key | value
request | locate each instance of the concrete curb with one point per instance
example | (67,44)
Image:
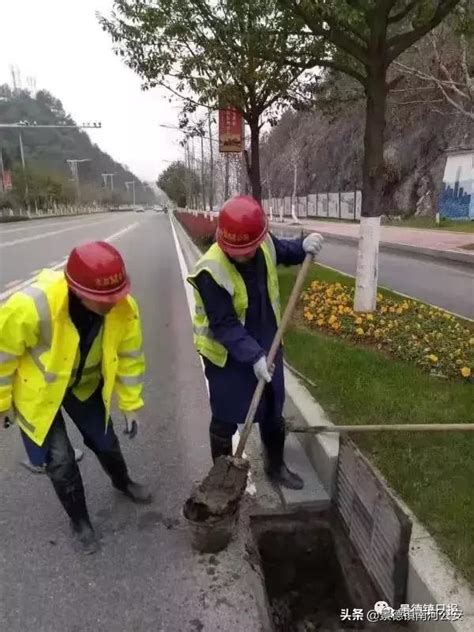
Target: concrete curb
(453,256)
(432,579)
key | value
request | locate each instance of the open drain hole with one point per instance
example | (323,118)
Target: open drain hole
(311,575)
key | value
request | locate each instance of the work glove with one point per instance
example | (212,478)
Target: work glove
(131,424)
(261,370)
(7,418)
(312,244)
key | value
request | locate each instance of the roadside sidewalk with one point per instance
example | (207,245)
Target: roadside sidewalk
(436,244)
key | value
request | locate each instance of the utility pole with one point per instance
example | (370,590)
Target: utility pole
(106,177)
(25,177)
(226,181)
(211,164)
(202,175)
(127,184)
(2,170)
(187,182)
(73,165)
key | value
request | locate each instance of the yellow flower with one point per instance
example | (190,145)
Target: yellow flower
(370,317)
(358,321)
(336,326)
(359,331)
(432,358)
(332,319)
(471,341)
(383,310)
(466,371)
(320,322)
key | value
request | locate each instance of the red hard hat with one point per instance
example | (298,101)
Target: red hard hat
(96,271)
(242,226)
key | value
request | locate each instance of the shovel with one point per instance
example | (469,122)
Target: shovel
(212,508)
(439,427)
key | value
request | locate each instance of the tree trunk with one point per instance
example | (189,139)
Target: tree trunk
(202,175)
(367,256)
(254,168)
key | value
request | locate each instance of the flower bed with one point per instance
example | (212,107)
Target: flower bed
(429,337)
(201,228)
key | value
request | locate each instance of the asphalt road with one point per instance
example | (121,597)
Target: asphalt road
(146,577)
(445,285)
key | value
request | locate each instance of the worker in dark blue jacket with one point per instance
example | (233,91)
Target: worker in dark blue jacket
(237,315)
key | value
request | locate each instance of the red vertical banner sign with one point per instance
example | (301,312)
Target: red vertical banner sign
(231,137)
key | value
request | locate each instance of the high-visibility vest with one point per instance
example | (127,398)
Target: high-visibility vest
(225,274)
(39,351)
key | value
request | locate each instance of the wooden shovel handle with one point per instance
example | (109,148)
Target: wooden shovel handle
(454,427)
(290,307)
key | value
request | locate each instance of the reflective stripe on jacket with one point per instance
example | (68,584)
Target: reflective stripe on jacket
(39,351)
(225,274)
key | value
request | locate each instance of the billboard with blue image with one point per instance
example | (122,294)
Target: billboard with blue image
(457,197)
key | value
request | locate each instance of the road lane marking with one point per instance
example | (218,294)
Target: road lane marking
(7,293)
(251,488)
(389,289)
(32,224)
(51,233)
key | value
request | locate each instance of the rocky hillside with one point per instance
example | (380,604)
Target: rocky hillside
(325,144)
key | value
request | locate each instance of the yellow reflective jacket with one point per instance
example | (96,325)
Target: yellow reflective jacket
(225,274)
(39,352)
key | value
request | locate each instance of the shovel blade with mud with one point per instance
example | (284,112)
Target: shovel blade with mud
(213,507)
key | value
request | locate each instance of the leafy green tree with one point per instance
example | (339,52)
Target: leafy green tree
(215,54)
(179,183)
(362,38)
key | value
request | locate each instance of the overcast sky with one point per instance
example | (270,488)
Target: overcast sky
(60,44)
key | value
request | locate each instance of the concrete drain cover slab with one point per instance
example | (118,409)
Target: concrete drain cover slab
(376,525)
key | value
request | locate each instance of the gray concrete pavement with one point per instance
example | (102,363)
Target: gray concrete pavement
(146,577)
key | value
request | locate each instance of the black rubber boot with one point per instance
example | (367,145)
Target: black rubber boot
(115,466)
(275,466)
(220,446)
(85,536)
(73,500)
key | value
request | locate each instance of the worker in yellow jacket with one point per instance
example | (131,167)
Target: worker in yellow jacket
(71,340)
